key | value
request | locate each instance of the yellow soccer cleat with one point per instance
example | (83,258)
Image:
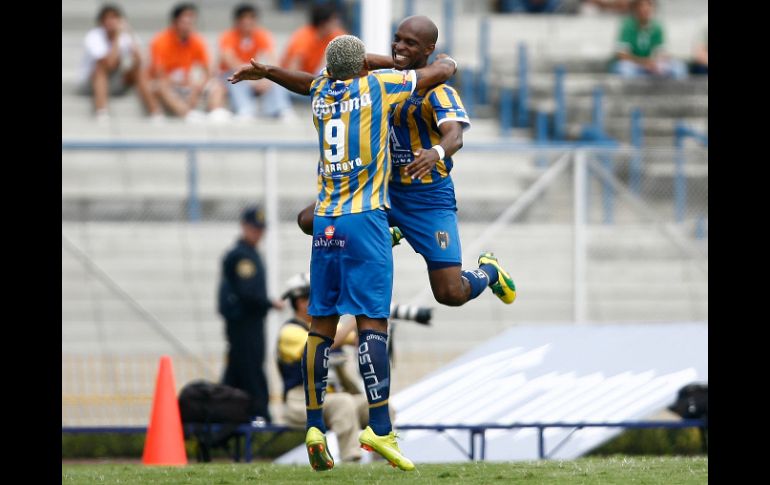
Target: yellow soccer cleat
(505,289)
(395,236)
(318,451)
(385,446)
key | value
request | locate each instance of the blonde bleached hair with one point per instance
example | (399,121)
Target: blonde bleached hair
(345,56)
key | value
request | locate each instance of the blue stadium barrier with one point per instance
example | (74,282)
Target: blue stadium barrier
(477,432)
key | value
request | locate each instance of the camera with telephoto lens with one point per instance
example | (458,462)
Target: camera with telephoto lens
(414,313)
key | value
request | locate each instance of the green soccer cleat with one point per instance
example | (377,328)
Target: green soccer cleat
(385,446)
(395,235)
(505,289)
(318,451)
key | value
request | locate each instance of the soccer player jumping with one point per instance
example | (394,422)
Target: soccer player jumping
(351,239)
(426,130)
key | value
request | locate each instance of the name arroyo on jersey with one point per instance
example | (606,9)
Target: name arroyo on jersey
(335,167)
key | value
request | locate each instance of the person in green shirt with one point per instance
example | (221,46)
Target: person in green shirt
(639,51)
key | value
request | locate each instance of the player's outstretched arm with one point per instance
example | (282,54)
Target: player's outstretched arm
(441,70)
(379,61)
(296,81)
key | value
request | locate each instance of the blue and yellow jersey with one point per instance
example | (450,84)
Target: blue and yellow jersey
(414,126)
(351,118)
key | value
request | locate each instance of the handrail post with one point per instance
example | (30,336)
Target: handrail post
(637,140)
(541,136)
(408,8)
(580,251)
(540,442)
(193,201)
(482,82)
(680,183)
(467,77)
(449,21)
(523,101)
(506,111)
(560,113)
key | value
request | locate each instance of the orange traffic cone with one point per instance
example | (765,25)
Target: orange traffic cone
(165,440)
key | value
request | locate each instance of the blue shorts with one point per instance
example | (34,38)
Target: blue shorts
(351,267)
(427,216)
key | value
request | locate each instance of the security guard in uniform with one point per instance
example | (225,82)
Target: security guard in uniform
(243,302)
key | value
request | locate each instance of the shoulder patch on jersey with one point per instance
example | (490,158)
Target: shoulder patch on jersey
(246,268)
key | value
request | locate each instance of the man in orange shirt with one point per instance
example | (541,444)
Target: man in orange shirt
(237,47)
(307,46)
(181,69)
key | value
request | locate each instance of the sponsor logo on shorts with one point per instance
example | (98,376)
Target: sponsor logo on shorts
(332,243)
(329,232)
(442,238)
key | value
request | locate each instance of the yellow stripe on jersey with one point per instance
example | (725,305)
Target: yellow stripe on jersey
(377,182)
(358,198)
(327,199)
(344,195)
(441,168)
(442,97)
(365,136)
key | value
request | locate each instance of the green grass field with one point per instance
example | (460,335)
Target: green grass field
(597,470)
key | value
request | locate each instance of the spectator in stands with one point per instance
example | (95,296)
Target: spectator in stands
(700,62)
(306,47)
(112,63)
(246,40)
(243,302)
(182,71)
(640,46)
(346,410)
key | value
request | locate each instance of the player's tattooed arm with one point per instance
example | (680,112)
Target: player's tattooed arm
(440,71)
(296,81)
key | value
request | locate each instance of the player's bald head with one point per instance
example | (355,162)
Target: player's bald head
(422,27)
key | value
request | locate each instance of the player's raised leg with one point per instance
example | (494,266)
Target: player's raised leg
(315,366)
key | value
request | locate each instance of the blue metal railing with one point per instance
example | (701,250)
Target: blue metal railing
(477,432)
(604,147)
